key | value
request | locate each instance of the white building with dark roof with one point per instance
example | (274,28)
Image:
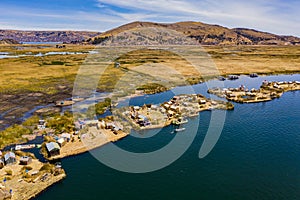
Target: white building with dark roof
(53,148)
(10,158)
(25,160)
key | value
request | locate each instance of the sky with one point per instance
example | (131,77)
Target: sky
(275,16)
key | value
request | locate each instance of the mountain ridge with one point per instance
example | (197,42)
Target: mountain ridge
(129,34)
(205,34)
(47,36)
(8,41)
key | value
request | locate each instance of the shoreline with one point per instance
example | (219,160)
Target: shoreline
(175,111)
(268,91)
(56,180)
(28,181)
(57,97)
(120,99)
(96,138)
(97,135)
(209,78)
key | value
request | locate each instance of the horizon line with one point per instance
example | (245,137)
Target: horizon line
(99,31)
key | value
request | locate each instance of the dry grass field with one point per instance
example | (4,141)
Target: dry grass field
(44,74)
(256,59)
(30,80)
(38,73)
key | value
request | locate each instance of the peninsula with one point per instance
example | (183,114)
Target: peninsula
(24,176)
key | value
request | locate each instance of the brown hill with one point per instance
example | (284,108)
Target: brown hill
(46,36)
(259,37)
(146,36)
(205,34)
(8,41)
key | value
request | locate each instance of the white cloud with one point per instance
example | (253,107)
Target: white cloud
(42,19)
(273,15)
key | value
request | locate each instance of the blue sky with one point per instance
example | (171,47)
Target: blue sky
(276,16)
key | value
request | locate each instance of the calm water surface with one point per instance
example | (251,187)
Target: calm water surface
(256,157)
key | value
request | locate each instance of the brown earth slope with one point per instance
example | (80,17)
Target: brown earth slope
(46,36)
(8,41)
(205,34)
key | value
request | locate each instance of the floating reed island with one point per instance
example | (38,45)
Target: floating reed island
(64,103)
(267,92)
(90,134)
(174,111)
(24,176)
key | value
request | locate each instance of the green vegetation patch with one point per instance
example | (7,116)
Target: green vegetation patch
(99,108)
(62,123)
(194,80)
(13,135)
(54,62)
(47,168)
(32,121)
(152,88)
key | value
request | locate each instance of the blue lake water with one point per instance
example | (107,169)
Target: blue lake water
(256,157)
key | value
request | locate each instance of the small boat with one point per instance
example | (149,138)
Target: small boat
(18,147)
(115,105)
(221,78)
(254,75)
(77,99)
(233,77)
(179,129)
(181,122)
(210,108)
(64,103)
(58,165)
(22,147)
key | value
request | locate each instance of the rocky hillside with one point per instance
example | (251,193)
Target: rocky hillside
(258,37)
(146,36)
(204,34)
(8,41)
(46,36)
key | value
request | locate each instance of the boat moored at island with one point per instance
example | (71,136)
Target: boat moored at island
(233,77)
(23,147)
(221,78)
(253,75)
(179,129)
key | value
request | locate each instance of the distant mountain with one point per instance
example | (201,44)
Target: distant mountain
(47,36)
(8,41)
(135,33)
(145,36)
